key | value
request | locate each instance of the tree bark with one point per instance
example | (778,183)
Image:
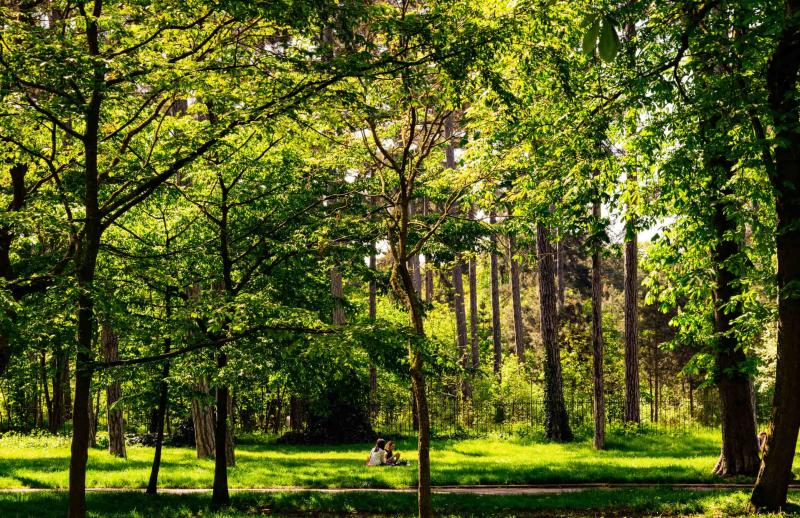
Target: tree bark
(494,288)
(556,421)
(404,286)
(598,399)
(163,395)
(116,425)
(632,396)
(373,312)
(473,312)
(772,485)
(461,327)
(60,380)
(739,453)
(203,418)
(460,314)
(220,496)
(86,263)
(516,301)
(561,283)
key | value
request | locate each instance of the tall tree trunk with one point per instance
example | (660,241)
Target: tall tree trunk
(772,484)
(373,311)
(739,452)
(43,374)
(404,287)
(556,421)
(163,395)
(60,380)
(116,426)
(428,264)
(203,418)
(561,283)
(86,263)
(220,496)
(632,410)
(494,288)
(461,325)
(473,312)
(598,399)
(516,301)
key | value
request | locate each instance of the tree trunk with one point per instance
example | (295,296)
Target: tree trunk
(473,313)
(461,325)
(404,287)
(163,394)
(519,331)
(494,289)
(561,286)
(203,418)
(219,495)
(428,264)
(92,424)
(60,380)
(556,421)
(772,484)
(632,397)
(86,263)
(739,453)
(116,425)
(373,311)
(598,399)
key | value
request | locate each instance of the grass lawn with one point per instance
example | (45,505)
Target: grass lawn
(640,502)
(43,462)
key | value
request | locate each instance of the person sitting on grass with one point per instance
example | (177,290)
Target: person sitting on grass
(377,455)
(392,456)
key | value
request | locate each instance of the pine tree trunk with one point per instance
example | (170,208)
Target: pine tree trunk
(116,425)
(632,397)
(516,301)
(561,285)
(556,421)
(772,485)
(494,288)
(598,399)
(461,324)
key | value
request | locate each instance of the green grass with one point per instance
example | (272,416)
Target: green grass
(640,502)
(43,462)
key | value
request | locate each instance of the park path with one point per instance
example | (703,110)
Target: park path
(474,490)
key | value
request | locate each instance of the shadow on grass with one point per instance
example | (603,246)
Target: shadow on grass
(663,502)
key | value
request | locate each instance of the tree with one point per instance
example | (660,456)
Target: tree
(556,421)
(773,479)
(598,399)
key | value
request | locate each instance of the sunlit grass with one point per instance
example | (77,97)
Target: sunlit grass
(652,457)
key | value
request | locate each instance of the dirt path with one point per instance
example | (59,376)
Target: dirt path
(474,490)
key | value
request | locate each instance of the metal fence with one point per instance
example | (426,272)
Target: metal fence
(451,414)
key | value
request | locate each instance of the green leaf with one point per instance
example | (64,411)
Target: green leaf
(590,36)
(609,40)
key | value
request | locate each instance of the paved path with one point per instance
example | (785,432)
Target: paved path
(474,490)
